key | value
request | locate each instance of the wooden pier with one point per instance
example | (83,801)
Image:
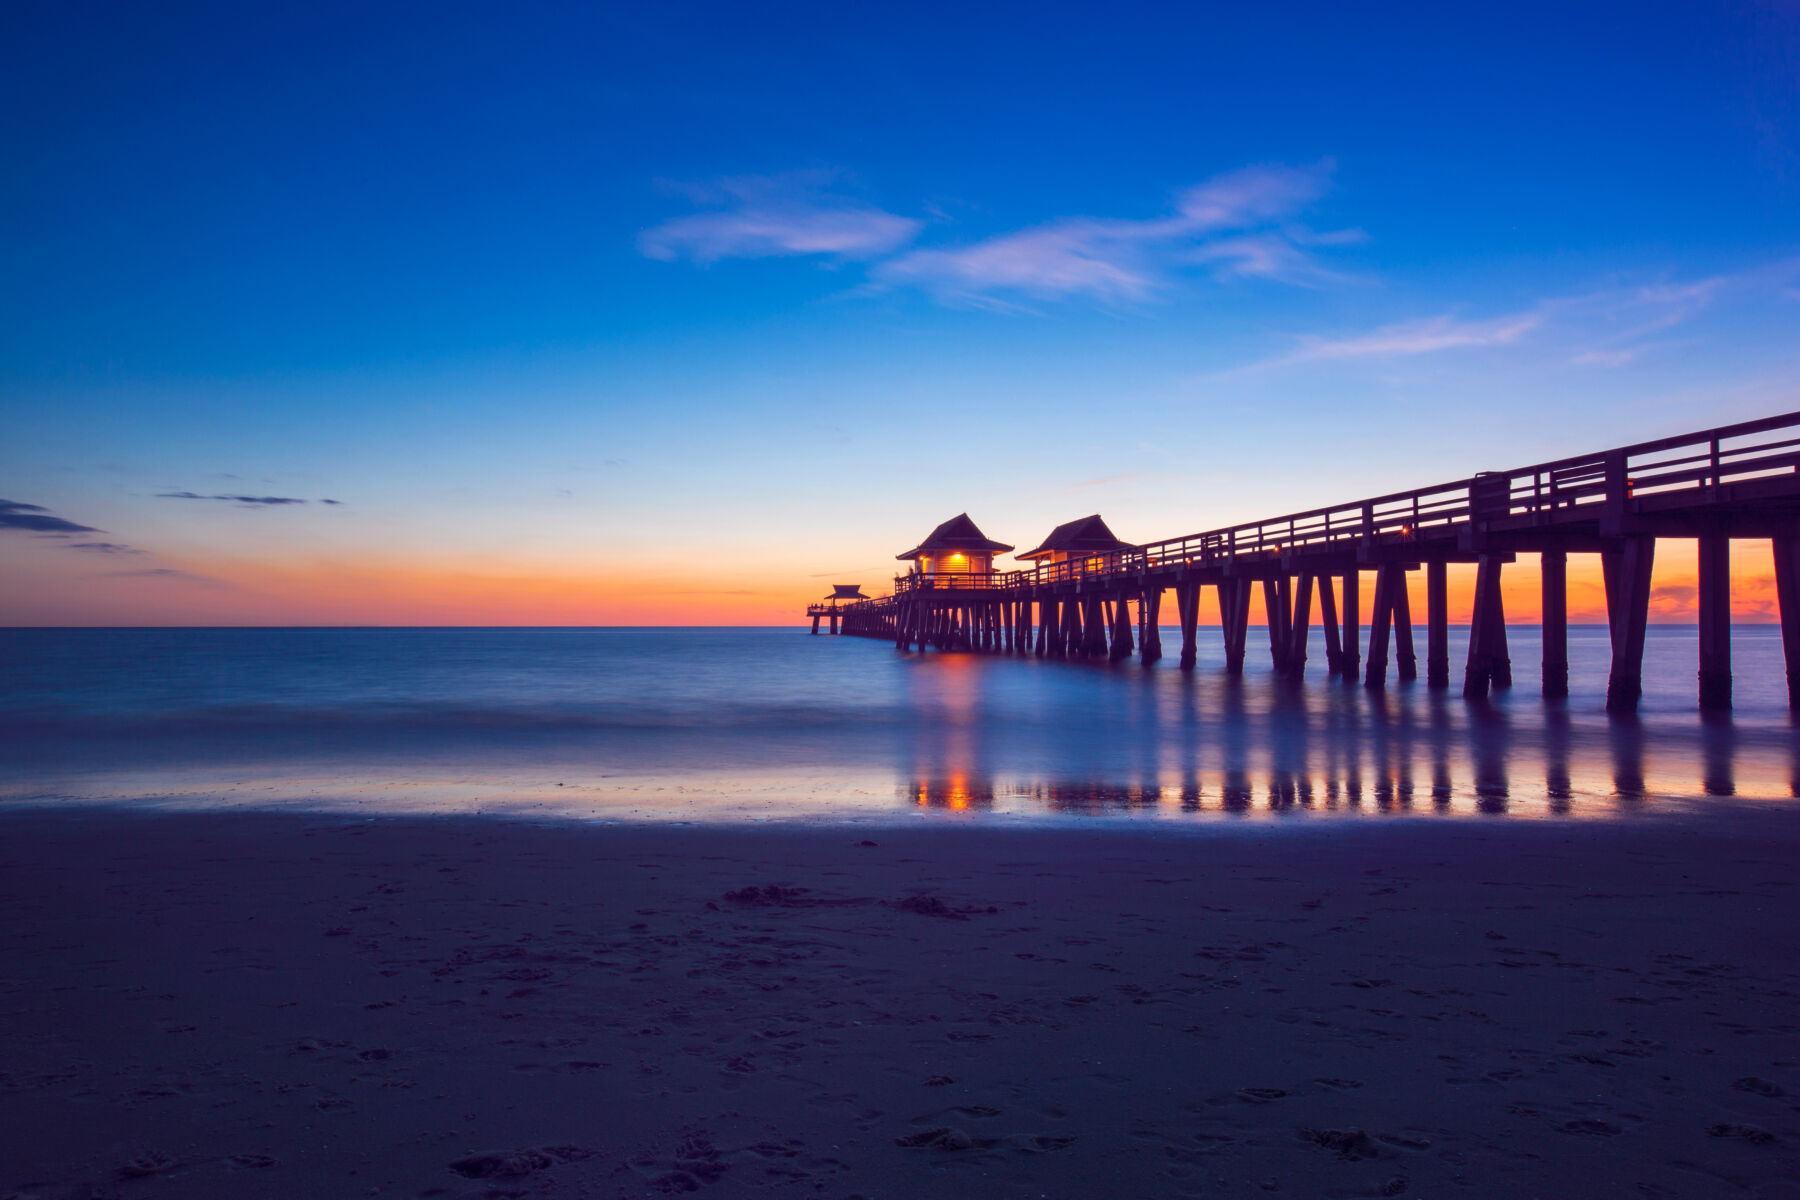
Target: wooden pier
(1736,481)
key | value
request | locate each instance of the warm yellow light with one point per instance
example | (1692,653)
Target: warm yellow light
(957,557)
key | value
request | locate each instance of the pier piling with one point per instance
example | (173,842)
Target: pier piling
(1626,568)
(1715,622)
(1437,624)
(1555,572)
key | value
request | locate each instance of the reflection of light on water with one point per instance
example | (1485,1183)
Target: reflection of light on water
(951,687)
(1264,794)
(955,792)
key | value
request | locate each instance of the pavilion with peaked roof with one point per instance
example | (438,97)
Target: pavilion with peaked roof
(956,546)
(830,606)
(1075,540)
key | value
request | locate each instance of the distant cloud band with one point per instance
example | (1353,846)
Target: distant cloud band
(247,501)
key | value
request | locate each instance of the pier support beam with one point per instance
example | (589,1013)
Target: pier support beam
(1715,622)
(1328,619)
(1234,613)
(1299,625)
(1627,571)
(1150,620)
(1275,609)
(1556,622)
(1352,648)
(815,628)
(1187,612)
(1787,594)
(1093,627)
(1489,664)
(1121,628)
(1437,624)
(1071,610)
(1406,663)
(1380,618)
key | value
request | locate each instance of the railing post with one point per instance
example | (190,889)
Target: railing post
(1618,493)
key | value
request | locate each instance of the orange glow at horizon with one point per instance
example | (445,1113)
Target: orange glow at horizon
(428,592)
(423,593)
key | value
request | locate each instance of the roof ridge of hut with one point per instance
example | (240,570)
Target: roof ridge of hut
(1086,535)
(958,533)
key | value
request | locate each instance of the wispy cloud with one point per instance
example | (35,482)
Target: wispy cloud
(1118,260)
(792,215)
(852,571)
(1238,225)
(118,548)
(1607,327)
(1421,337)
(244,501)
(35,518)
(1081,485)
(168,573)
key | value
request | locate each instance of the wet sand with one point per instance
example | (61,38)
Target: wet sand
(292,1005)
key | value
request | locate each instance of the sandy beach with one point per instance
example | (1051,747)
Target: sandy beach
(291,1005)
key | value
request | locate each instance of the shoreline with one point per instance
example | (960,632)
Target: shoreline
(296,1004)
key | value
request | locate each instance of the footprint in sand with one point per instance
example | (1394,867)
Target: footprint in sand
(151,1162)
(942,1138)
(516,1164)
(1758,1087)
(1259,1095)
(1590,1127)
(1348,1144)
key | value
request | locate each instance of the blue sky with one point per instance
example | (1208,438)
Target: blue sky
(715,299)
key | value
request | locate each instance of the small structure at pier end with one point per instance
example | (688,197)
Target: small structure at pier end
(955,547)
(1714,486)
(832,605)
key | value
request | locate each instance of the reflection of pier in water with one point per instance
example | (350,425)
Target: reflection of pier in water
(1397,766)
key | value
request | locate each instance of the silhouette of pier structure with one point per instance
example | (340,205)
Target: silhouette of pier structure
(832,606)
(1090,595)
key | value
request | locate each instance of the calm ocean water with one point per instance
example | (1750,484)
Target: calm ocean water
(699,724)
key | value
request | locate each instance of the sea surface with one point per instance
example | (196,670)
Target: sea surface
(775,724)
